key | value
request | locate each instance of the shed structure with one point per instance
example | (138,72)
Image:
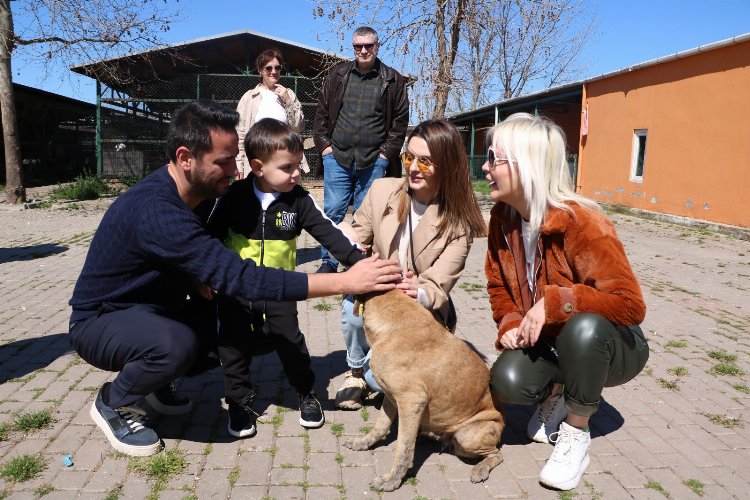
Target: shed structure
(137,93)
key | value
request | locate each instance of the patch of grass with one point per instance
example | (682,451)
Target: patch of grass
(481,186)
(3,432)
(272,450)
(657,487)
(743,388)
(130,180)
(365,412)
(208,449)
(337,429)
(473,287)
(668,384)
(114,493)
(323,306)
(44,489)
(725,421)
(159,467)
(287,466)
(233,476)
(678,371)
(412,481)
(339,458)
(365,429)
(676,344)
(566,495)
(33,421)
(726,369)
(694,485)
(723,356)
(22,468)
(86,186)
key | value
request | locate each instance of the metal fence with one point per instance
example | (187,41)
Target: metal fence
(133,128)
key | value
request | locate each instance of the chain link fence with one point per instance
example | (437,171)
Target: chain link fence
(134,128)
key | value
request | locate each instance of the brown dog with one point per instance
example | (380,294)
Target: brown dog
(435,384)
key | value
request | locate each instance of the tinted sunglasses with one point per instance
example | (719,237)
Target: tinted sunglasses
(272,68)
(423,164)
(367,46)
(493,159)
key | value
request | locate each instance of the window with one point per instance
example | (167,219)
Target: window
(639,155)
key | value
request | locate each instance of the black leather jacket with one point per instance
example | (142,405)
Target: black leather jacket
(395,102)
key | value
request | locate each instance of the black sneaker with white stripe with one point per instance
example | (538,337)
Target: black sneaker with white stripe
(242,417)
(125,427)
(310,412)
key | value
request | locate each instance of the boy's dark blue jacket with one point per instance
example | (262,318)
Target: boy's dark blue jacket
(150,248)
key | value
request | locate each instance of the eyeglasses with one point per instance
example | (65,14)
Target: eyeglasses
(492,159)
(423,163)
(367,46)
(270,68)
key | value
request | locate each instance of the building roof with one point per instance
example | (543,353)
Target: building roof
(568,88)
(226,53)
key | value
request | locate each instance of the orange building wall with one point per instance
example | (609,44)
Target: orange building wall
(697,113)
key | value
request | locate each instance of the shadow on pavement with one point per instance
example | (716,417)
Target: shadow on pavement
(23,357)
(30,253)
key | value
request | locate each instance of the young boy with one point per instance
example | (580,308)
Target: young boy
(260,218)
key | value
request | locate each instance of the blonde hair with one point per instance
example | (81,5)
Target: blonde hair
(535,148)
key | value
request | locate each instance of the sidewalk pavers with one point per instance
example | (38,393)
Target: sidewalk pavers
(679,429)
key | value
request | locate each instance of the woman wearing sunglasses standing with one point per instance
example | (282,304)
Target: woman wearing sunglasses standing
(268,99)
(563,294)
(427,221)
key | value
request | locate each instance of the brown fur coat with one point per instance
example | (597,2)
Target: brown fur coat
(581,267)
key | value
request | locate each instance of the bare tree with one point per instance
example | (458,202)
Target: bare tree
(466,53)
(67,32)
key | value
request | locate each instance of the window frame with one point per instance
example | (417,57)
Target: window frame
(634,162)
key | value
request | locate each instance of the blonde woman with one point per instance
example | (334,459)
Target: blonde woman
(563,295)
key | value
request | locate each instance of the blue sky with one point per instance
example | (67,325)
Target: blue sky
(628,31)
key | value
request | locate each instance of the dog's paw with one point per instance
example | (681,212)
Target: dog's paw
(480,472)
(356,444)
(386,483)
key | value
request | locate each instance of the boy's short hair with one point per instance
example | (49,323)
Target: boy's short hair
(268,136)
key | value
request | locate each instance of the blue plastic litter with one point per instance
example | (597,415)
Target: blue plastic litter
(68,460)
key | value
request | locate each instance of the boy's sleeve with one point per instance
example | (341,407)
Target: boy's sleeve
(325,232)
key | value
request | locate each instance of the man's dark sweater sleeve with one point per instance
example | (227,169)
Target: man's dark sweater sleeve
(176,238)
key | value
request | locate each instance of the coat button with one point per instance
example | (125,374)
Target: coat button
(568,308)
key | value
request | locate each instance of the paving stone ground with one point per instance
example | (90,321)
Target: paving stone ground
(678,430)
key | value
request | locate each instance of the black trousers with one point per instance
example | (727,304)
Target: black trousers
(589,354)
(268,326)
(146,345)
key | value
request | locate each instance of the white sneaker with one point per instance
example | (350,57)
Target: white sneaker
(546,419)
(569,459)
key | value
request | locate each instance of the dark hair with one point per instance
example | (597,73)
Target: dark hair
(268,136)
(192,123)
(457,204)
(266,56)
(365,31)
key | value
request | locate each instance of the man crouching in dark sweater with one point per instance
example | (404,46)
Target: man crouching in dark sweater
(147,254)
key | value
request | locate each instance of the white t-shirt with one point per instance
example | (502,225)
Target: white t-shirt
(417,211)
(270,107)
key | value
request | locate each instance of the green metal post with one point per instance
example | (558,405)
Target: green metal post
(197,86)
(471,148)
(99,167)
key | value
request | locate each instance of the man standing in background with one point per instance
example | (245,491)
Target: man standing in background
(359,128)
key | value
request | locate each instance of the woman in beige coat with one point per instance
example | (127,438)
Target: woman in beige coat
(427,221)
(268,99)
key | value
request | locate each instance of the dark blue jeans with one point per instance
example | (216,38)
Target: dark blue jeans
(590,353)
(343,185)
(147,347)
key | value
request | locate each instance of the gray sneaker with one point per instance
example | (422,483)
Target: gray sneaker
(168,402)
(546,419)
(124,427)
